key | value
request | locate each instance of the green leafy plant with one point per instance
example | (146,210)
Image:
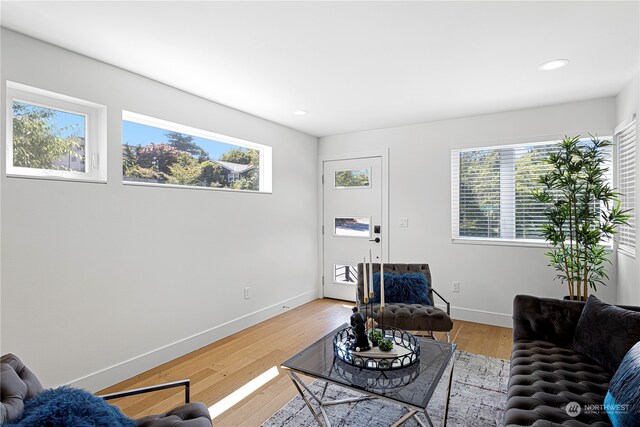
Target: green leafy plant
(385,345)
(375,336)
(38,142)
(582,210)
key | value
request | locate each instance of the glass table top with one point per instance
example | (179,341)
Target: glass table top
(412,386)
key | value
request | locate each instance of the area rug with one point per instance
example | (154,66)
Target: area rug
(478,398)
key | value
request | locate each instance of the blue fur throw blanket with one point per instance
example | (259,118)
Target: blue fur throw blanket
(67,407)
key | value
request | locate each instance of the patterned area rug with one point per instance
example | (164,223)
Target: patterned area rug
(478,398)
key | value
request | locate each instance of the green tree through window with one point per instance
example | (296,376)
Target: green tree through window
(352,178)
(479,194)
(495,190)
(162,156)
(39,142)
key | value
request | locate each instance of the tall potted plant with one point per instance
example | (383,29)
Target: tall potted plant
(582,210)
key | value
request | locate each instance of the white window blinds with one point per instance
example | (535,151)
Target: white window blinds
(626,158)
(491,191)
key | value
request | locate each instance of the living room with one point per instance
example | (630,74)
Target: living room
(111,281)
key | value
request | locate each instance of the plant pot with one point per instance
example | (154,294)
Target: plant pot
(567,298)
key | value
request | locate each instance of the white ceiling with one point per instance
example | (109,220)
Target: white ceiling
(354,65)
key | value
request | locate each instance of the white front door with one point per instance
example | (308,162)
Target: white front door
(352,192)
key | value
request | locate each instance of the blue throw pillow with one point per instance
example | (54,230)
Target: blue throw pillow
(70,407)
(408,288)
(622,401)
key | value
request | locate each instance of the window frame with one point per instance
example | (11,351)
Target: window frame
(621,247)
(264,151)
(455,192)
(95,133)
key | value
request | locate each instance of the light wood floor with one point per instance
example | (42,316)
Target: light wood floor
(221,368)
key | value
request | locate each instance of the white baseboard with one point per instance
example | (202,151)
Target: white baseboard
(114,374)
(480,316)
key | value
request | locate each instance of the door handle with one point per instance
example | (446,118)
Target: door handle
(377,240)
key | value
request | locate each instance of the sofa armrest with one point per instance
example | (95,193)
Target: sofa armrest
(444,300)
(190,414)
(193,414)
(182,383)
(545,319)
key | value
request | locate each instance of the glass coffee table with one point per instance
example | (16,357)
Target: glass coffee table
(411,387)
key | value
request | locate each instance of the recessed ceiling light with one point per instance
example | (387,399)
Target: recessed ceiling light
(553,65)
(301,113)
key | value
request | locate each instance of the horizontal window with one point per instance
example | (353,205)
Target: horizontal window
(353,226)
(352,178)
(158,152)
(491,191)
(54,136)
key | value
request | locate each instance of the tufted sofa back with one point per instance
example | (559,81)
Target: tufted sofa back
(17,384)
(395,269)
(548,319)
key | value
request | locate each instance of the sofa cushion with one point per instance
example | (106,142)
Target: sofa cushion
(544,378)
(605,333)
(545,319)
(414,317)
(406,288)
(622,401)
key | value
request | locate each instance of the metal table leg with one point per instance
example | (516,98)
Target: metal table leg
(323,420)
(301,387)
(298,382)
(446,404)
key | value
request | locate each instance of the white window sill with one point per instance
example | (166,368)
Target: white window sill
(501,242)
(191,187)
(508,242)
(57,178)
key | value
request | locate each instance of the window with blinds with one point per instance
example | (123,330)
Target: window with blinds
(626,167)
(491,191)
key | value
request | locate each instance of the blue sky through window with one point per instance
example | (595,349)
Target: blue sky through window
(138,134)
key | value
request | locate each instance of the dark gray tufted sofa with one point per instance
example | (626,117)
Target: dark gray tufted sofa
(546,373)
(411,317)
(18,384)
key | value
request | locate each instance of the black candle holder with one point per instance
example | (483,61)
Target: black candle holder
(410,344)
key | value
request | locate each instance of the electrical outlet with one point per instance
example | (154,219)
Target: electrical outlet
(246,293)
(404,221)
(455,286)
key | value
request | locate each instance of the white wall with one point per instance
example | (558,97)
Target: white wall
(629,268)
(103,281)
(420,189)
